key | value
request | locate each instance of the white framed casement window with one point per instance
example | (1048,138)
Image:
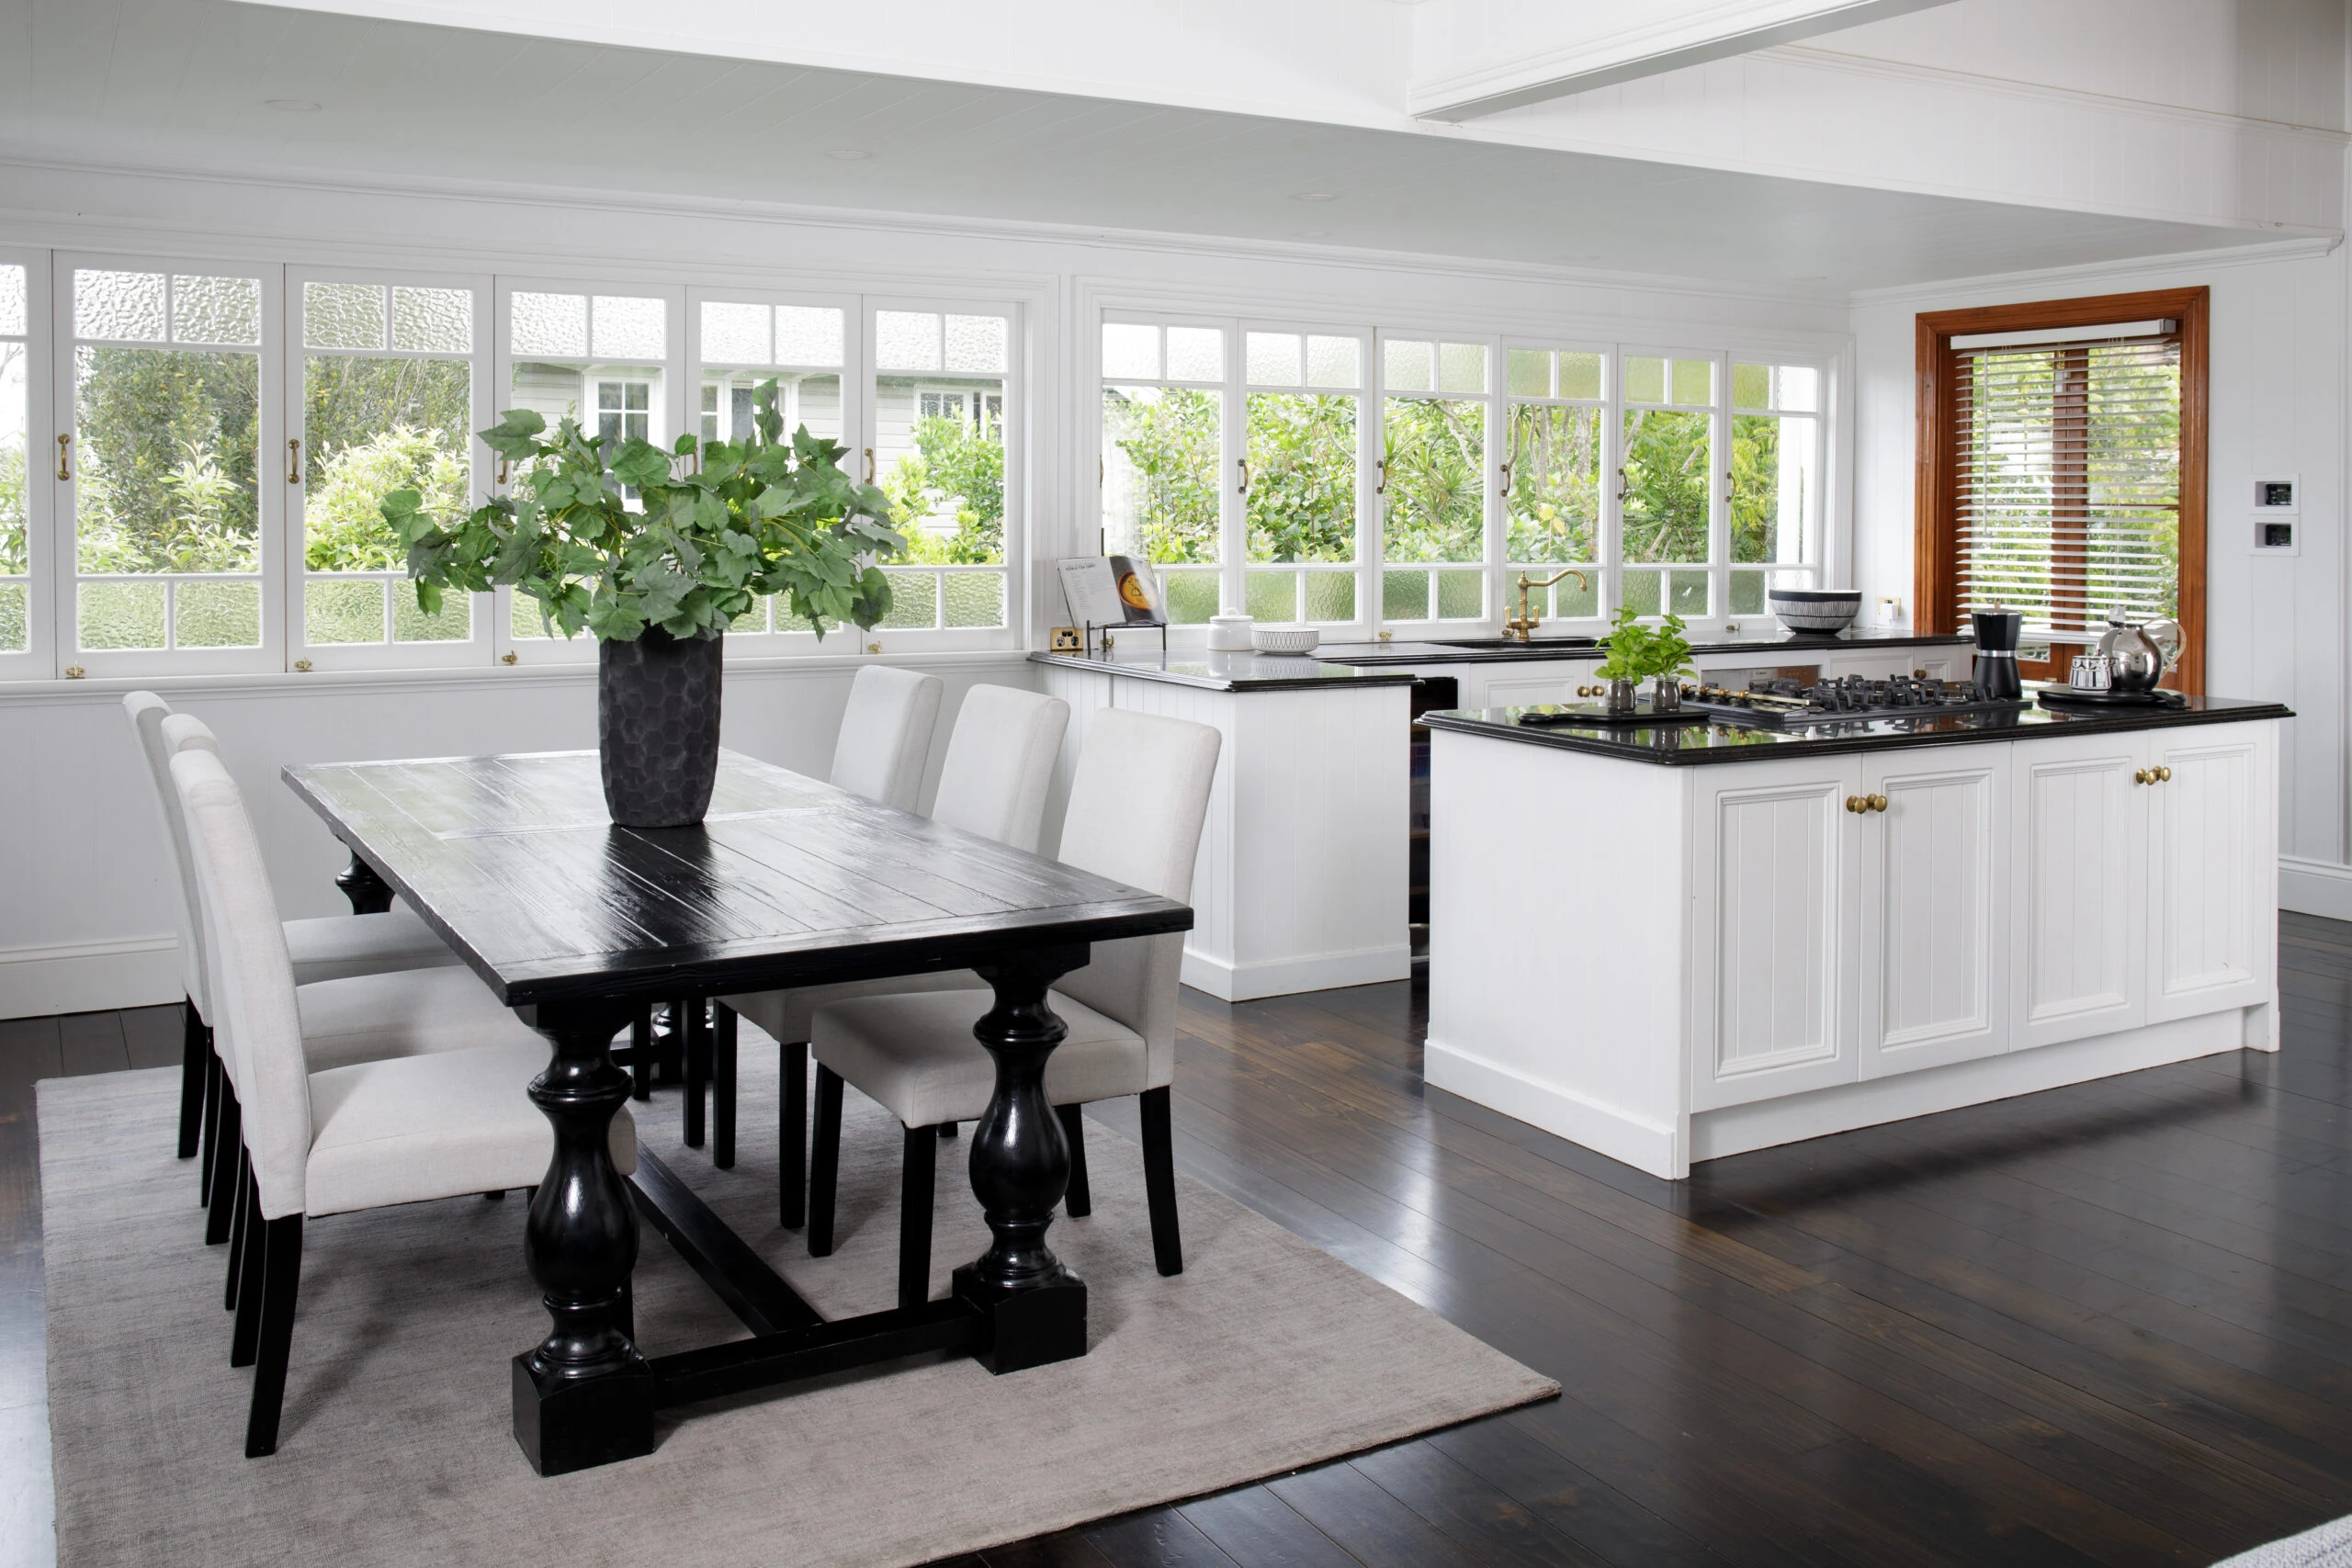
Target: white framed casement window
(27,503)
(386,379)
(1557,514)
(1435,541)
(610,357)
(942,441)
(167,394)
(1169,495)
(1305,449)
(1668,502)
(1778,453)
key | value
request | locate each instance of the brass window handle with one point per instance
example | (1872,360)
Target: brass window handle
(1244,464)
(294,460)
(869,465)
(1506,477)
(65,457)
(1380,485)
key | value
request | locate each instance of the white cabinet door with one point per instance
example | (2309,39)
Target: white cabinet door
(1932,944)
(2211,840)
(1518,686)
(2079,875)
(1772,890)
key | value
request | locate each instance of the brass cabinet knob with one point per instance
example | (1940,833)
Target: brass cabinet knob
(2164,775)
(1878,803)
(1856,804)
(2143,775)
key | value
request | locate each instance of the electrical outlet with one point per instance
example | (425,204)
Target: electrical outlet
(1890,610)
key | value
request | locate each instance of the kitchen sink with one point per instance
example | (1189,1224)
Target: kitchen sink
(1540,645)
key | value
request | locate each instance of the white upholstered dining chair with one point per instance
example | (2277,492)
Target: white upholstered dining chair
(324,948)
(328,1129)
(994,781)
(1136,808)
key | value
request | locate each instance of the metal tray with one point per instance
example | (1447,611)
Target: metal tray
(2068,697)
(1581,714)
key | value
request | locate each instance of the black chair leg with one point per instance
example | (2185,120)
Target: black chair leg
(242,1209)
(641,1048)
(722,1086)
(245,1278)
(195,1051)
(914,1216)
(792,1140)
(697,1045)
(1160,1180)
(946,1129)
(227,1148)
(1078,1200)
(824,1164)
(214,1081)
(281,1280)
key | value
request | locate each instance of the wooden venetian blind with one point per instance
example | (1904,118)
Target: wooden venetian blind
(2066,483)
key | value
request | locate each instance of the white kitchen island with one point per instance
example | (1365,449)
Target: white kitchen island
(1677,943)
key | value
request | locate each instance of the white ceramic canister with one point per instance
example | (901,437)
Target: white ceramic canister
(1229,634)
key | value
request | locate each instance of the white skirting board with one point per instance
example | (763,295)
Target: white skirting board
(1283,976)
(89,976)
(2316,887)
(1665,1151)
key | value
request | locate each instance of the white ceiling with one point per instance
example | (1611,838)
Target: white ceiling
(185,82)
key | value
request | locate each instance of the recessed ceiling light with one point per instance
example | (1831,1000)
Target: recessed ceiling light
(1314,196)
(291,105)
(849,154)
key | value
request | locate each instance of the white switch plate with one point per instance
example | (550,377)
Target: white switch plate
(1890,610)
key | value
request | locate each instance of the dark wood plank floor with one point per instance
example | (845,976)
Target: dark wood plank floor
(2110,1324)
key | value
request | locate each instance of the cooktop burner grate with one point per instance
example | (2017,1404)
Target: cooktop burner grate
(1784,703)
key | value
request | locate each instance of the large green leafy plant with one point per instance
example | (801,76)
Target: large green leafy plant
(618,537)
(1636,652)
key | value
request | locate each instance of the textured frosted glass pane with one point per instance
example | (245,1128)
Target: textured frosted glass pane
(1641,590)
(1270,359)
(411,624)
(808,334)
(631,327)
(1191,596)
(1531,373)
(12,617)
(734,333)
(216,309)
(977,343)
(1462,367)
(522,620)
(1334,361)
(1570,598)
(1694,381)
(343,612)
(914,600)
(975,599)
(1330,596)
(906,340)
(1273,596)
(1580,375)
(343,315)
(217,615)
(1689,591)
(126,305)
(1799,388)
(1405,366)
(550,323)
(1404,595)
(1747,593)
(1195,353)
(1130,351)
(1751,386)
(1645,379)
(12,299)
(122,614)
(434,320)
(754,619)
(165,446)
(1461,595)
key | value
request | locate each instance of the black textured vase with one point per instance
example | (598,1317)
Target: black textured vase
(657,725)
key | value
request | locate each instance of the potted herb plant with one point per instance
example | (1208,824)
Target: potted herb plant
(653,553)
(1658,654)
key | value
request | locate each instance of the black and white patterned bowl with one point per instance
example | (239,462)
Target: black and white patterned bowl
(1816,609)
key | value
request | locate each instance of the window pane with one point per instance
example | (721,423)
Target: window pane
(1751,386)
(1645,379)
(1405,367)
(1404,595)
(808,334)
(125,305)
(1462,367)
(734,333)
(371,426)
(1130,351)
(1331,596)
(434,320)
(1191,596)
(1643,592)
(977,343)
(1687,594)
(216,615)
(906,340)
(631,327)
(730,403)
(558,392)
(1554,507)
(13,628)
(1664,515)
(1694,381)
(1302,499)
(1771,488)
(1530,371)
(1797,386)
(166,448)
(122,615)
(974,598)
(939,453)
(12,299)
(216,309)
(1271,596)
(1580,375)
(1162,454)
(1272,359)
(1436,495)
(548,324)
(1195,353)
(754,619)
(340,610)
(1747,593)
(1461,595)
(13,474)
(914,600)
(343,315)
(1334,361)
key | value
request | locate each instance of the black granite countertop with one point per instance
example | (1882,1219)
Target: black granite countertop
(1690,744)
(1505,650)
(1230,671)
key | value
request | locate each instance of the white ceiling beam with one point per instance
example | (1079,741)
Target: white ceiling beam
(1478,57)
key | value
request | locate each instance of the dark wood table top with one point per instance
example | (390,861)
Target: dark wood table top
(788,881)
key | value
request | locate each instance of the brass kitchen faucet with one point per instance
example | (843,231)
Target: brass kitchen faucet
(1523,628)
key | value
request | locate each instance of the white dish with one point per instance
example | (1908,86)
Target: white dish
(1229,634)
(1284,639)
(1816,609)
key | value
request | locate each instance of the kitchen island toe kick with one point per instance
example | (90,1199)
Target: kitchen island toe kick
(1671,945)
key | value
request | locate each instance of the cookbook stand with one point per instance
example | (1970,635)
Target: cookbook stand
(1107,627)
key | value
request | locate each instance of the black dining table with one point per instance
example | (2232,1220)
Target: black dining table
(578,924)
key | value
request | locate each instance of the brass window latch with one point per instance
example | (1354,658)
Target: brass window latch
(294,460)
(65,457)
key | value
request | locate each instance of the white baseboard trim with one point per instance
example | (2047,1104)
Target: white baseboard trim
(1283,977)
(1637,1141)
(86,976)
(2316,887)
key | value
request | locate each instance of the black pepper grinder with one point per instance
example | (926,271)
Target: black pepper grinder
(1997,631)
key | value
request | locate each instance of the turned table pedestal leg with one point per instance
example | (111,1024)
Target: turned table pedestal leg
(370,894)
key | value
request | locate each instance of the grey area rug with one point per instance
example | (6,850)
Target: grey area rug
(2328,1545)
(1264,1355)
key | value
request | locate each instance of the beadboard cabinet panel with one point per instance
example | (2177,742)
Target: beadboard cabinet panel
(1934,886)
(2212,883)
(2080,865)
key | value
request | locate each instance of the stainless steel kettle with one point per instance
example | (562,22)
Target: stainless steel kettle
(2140,653)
